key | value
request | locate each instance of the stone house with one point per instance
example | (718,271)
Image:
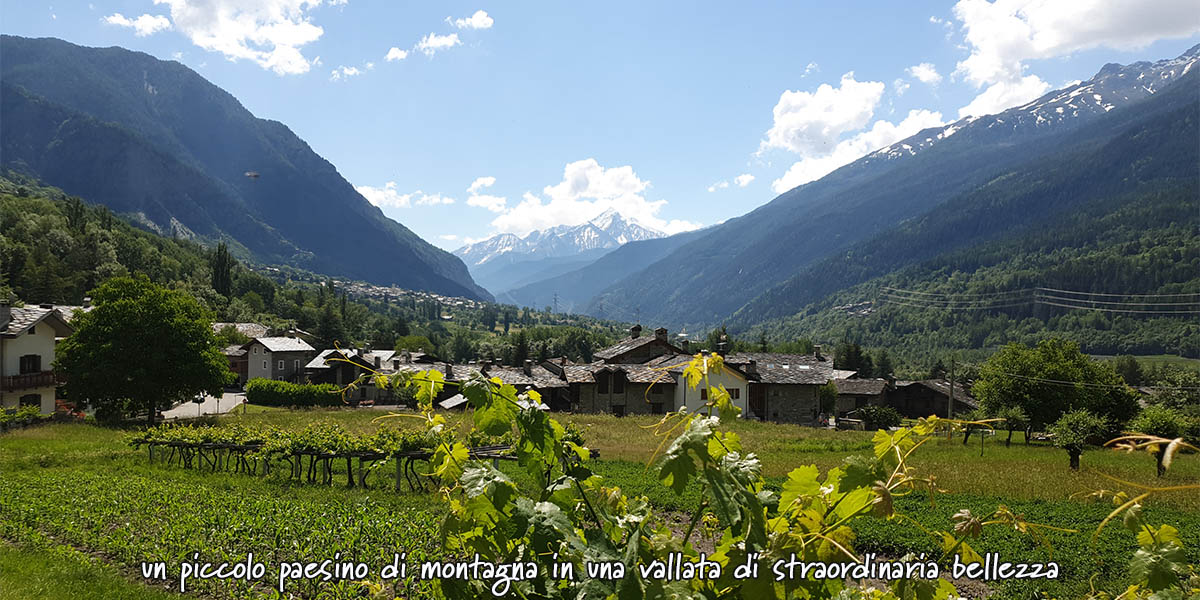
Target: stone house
(27,339)
(281,358)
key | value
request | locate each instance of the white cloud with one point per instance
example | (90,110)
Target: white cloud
(268,32)
(925,73)
(395,53)
(1005,94)
(493,203)
(434,42)
(479,20)
(882,133)
(743,180)
(389,197)
(720,185)
(449,237)
(344,72)
(810,68)
(810,123)
(900,86)
(1002,35)
(586,190)
(480,183)
(142,26)
(177,55)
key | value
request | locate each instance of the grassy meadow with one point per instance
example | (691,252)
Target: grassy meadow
(77,505)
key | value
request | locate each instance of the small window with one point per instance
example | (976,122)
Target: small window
(704,393)
(265,365)
(256,349)
(31,363)
(281,365)
(296,364)
(602,383)
(31,400)
(619,410)
(735,393)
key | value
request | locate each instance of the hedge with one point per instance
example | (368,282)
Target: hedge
(268,392)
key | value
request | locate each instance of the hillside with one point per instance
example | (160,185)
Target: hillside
(152,139)
(708,280)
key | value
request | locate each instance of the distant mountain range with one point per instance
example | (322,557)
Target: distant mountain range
(508,261)
(155,141)
(941,190)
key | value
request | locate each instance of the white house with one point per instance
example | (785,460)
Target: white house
(27,337)
(735,383)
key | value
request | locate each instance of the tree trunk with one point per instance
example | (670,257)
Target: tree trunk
(1075,460)
(1028,433)
(1158,459)
(1008,442)
(966,435)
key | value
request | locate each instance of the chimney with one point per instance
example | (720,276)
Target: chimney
(5,314)
(685,345)
(660,334)
(562,361)
(87,301)
(396,364)
(528,367)
(449,371)
(752,367)
(635,331)
(291,333)
(378,362)
(485,366)
(46,306)
(817,352)
(407,357)
(359,352)
(723,346)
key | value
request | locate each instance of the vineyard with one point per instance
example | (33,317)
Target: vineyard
(262,485)
(241,449)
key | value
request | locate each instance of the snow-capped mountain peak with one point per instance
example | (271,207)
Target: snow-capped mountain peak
(609,229)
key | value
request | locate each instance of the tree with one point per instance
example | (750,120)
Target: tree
(1050,379)
(222,270)
(878,417)
(1075,430)
(938,370)
(520,348)
(1014,419)
(142,348)
(1129,369)
(1162,422)
(827,397)
(883,364)
(329,326)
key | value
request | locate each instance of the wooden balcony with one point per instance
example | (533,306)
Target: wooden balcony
(13,383)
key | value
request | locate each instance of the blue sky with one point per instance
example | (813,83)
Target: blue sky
(678,115)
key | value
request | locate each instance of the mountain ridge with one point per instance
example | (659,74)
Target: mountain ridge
(166,116)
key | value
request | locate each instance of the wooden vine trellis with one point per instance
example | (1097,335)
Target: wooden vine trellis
(246,458)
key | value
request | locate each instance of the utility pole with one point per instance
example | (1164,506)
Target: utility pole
(950,406)
(556,303)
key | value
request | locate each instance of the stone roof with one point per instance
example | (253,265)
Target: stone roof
(283,344)
(234,350)
(539,376)
(942,386)
(250,330)
(630,344)
(24,318)
(861,387)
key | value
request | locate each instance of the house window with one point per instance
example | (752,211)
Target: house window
(602,383)
(31,363)
(31,400)
(281,365)
(735,393)
(256,349)
(656,408)
(618,383)
(704,393)
(619,410)
(296,364)
(265,365)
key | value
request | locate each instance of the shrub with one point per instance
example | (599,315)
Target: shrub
(1075,430)
(268,392)
(878,417)
(1162,422)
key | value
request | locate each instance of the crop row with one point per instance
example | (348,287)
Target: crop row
(129,518)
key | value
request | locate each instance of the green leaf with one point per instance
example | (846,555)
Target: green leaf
(678,465)
(1164,534)
(802,481)
(1158,568)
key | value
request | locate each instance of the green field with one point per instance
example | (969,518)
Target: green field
(79,509)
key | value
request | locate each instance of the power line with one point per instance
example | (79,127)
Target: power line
(1189,294)
(1091,385)
(1118,310)
(1120,303)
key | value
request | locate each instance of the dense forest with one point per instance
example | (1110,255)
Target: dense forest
(980,298)
(55,247)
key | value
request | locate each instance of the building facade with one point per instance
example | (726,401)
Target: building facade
(27,339)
